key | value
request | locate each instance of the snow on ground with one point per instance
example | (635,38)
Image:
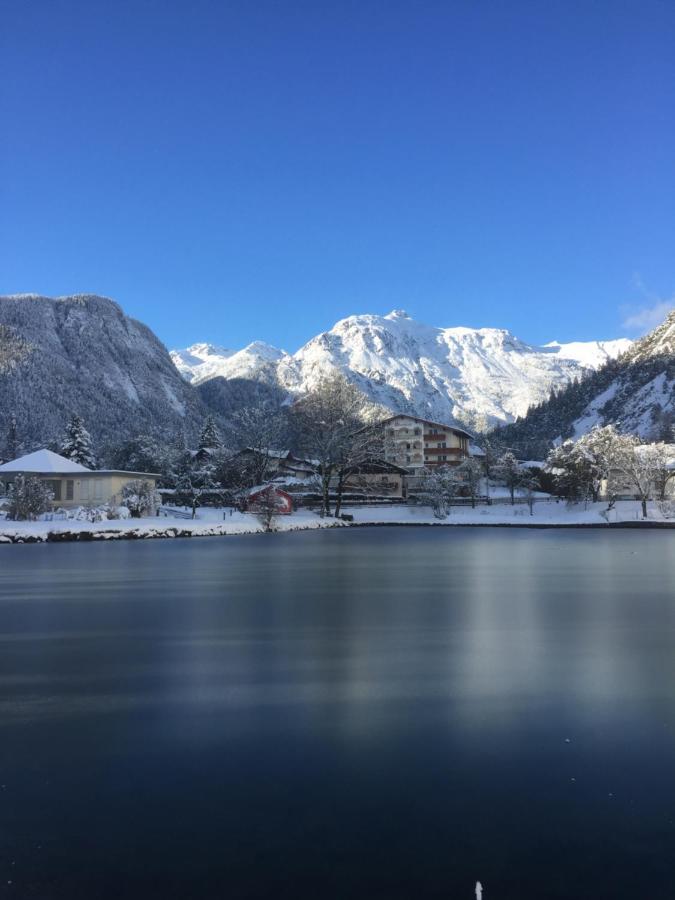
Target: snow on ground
(546,513)
(209,521)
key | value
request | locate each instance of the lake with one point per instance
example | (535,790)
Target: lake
(377,713)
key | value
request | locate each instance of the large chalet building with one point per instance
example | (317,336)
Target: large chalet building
(416,444)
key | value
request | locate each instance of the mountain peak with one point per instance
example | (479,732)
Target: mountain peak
(479,375)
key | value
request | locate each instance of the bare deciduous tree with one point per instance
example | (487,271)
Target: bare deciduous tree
(330,425)
(261,428)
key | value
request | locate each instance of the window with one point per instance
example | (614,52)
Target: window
(98,489)
(407,446)
(69,490)
(417,431)
(84,489)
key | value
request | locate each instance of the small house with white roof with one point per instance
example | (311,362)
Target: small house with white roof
(72,484)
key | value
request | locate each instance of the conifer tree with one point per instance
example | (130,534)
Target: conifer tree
(209,438)
(78,445)
(12,441)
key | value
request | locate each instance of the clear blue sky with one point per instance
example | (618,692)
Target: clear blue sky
(232,171)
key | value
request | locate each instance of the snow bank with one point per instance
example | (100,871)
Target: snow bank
(546,514)
(208,522)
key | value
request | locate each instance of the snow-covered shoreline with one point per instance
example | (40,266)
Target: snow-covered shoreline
(213,522)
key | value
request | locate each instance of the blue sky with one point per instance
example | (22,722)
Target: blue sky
(233,171)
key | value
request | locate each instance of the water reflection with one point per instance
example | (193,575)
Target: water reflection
(427,675)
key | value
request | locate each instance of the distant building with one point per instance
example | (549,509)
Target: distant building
(70,483)
(416,444)
(376,478)
(281,465)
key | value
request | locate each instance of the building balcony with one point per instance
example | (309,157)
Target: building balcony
(445,451)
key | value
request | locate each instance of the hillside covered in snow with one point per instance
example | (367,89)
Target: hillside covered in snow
(482,376)
(636,392)
(82,355)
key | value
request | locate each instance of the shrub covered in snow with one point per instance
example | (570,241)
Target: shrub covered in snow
(28,497)
(88,514)
(139,498)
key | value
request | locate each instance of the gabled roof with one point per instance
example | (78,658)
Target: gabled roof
(43,462)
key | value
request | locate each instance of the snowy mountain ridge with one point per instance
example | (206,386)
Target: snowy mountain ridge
(481,376)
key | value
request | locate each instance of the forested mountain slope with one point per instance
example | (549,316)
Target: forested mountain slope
(636,392)
(82,355)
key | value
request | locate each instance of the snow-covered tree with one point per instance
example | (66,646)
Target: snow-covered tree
(438,487)
(139,497)
(470,473)
(664,468)
(572,471)
(196,489)
(508,470)
(600,447)
(209,437)
(144,453)
(188,492)
(641,467)
(77,444)
(28,497)
(581,467)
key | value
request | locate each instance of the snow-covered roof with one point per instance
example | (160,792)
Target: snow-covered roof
(259,488)
(272,454)
(43,461)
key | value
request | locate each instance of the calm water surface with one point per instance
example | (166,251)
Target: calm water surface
(381,713)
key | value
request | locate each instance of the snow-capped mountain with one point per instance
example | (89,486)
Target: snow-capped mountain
(481,376)
(591,354)
(82,354)
(201,362)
